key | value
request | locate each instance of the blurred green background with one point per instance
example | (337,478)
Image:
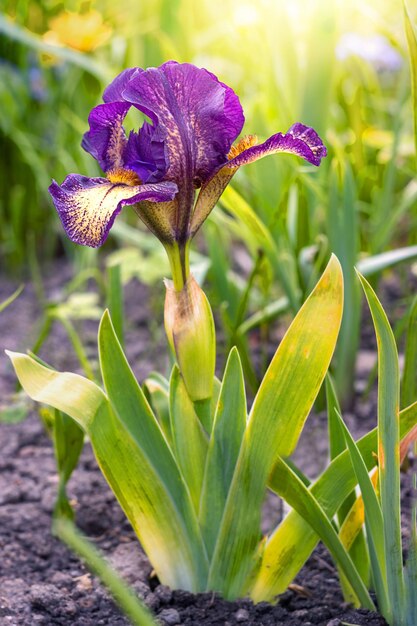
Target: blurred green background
(344,68)
(340,67)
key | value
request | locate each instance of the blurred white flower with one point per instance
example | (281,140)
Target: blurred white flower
(375,49)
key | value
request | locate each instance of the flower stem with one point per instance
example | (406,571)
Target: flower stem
(179,261)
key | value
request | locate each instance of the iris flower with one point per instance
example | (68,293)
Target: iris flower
(175,168)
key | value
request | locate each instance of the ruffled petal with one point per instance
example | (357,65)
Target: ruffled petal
(145,154)
(198,117)
(106,140)
(299,139)
(114,91)
(88,206)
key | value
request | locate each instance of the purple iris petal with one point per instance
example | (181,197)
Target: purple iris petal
(106,140)
(113,92)
(195,118)
(300,140)
(198,117)
(88,206)
(145,154)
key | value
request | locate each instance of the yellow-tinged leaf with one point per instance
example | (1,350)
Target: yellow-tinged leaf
(176,554)
(292,542)
(280,409)
(356,516)
(355,519)
(72,394)
(297,370)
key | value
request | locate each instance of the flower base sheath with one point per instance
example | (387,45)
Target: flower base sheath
(189,326)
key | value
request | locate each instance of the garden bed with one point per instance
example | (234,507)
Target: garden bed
(42,582)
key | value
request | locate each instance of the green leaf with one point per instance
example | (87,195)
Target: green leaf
(336,438)
(70,393)
(156,389)
(371,265)
(226,438)
(279,411)
(292,542)
(298,496)
(409,381)
(171,539)
(11,298)
(373,521)
(68,438)
(388,450)
(298,368)
(189,439)
(136,415)
(411,580)
(126,598)
(411,34)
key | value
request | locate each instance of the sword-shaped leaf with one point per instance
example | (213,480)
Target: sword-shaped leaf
(292,542)
(226,438)
(279,411)
(178,558)
(373,521)
(388,450)
(301,499)
(189,439)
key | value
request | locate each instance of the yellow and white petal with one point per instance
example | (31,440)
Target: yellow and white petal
(88,207)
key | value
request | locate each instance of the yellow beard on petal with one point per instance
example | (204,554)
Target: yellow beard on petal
(242,145)
(119,175)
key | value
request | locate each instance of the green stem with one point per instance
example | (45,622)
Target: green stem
(179,260)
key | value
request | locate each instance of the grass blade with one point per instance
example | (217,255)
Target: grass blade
(409,381)
(128,601)
(115,299)
(11,298)
(388,451)
(371,265)
(343,237)
(411,34)
(373,521)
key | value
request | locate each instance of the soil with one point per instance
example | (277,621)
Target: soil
(42,582)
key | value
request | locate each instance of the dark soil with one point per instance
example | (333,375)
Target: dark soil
(42,582)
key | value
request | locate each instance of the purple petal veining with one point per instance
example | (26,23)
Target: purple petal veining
(199,117)
(87,207)
(300,140)
(187,144)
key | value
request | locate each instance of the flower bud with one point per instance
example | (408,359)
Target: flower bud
(189,326)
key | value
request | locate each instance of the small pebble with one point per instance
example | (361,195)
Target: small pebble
(152,601)
(300,613)
(171,617)
(141,588)
(45,596)
(242,615)
(334,622)
(164,593)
